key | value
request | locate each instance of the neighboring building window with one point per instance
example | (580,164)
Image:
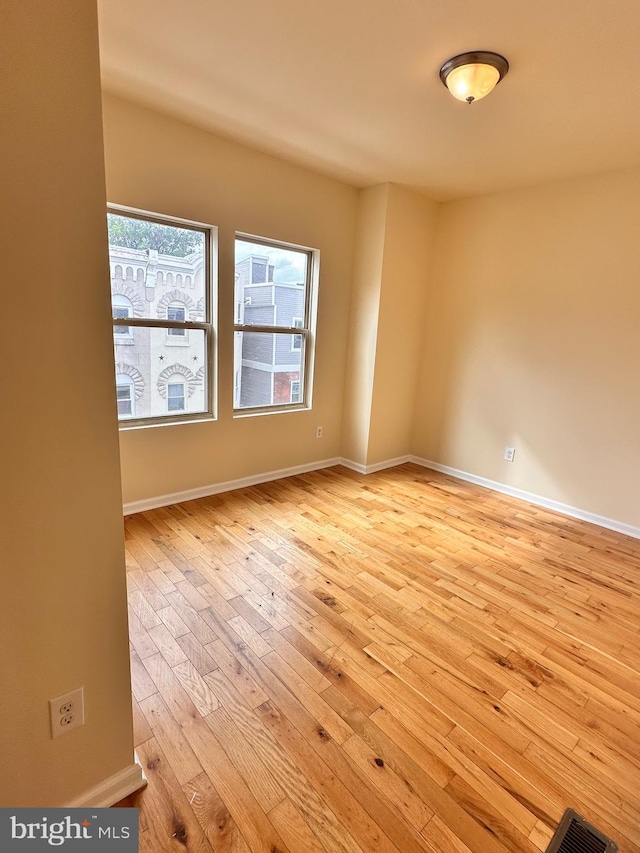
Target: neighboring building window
(178,313)
(158,254)
(125,395)
(122,309)
(296,340)
(259,270)
(275,288)
(175,396)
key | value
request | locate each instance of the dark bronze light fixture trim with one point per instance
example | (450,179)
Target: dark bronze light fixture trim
(477,57)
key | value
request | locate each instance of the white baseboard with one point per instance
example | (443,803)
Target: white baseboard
(268,476)
(539,500)
(228,486)
(377,466)
(112,790)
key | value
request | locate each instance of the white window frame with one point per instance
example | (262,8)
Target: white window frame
(304,332)
(291,391)
(207,324)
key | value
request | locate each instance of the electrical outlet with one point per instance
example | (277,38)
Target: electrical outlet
(66,712)
(318,432)
(509,453)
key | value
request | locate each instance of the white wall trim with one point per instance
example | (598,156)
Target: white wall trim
(228,486)
(377,466)
(113,789)
(539,500)
(268,476)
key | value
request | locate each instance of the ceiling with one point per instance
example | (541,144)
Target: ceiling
(351,87)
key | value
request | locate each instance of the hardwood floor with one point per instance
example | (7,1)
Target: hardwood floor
(393,663)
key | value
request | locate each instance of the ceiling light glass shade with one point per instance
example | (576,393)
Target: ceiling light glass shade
(471,76)
(472,82)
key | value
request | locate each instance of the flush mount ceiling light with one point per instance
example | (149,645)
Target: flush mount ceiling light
(471,76)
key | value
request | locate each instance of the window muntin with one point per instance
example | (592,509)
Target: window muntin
(164,268)
(273,295)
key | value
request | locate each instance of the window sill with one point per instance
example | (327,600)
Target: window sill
(150,423)
(271,410)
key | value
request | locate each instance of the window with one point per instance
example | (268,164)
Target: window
(163,265)
(175,396)
(296,340)
(122,309)
(125,394)
(177,312)
(275,287)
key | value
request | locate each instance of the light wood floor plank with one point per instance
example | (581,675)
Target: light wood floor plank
(396,663)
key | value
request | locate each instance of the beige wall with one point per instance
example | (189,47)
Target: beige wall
(391,272)
(63,619)
(532,341)
(363,326)
(159,164)
(403,297)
